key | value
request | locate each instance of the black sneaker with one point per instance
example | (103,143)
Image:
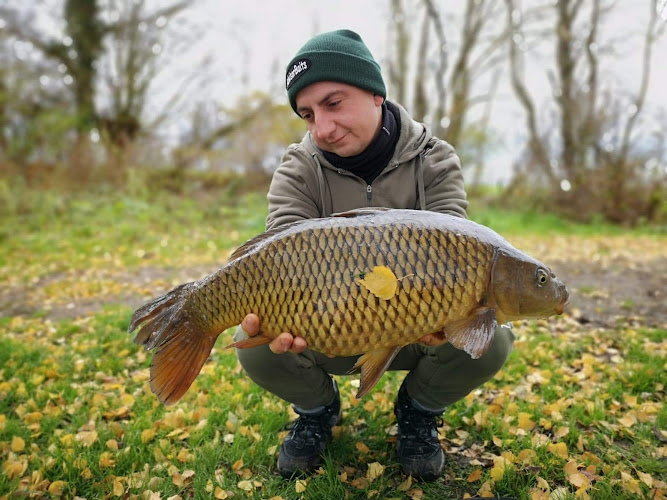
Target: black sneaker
(419,450)
(302,449)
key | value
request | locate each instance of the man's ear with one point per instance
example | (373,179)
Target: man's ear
(378,100)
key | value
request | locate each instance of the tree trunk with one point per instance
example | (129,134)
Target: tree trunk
(86,31)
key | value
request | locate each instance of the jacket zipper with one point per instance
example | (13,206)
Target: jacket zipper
(369,193)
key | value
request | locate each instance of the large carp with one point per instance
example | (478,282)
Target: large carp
(445,274)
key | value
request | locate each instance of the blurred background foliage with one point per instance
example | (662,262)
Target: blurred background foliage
(75,97)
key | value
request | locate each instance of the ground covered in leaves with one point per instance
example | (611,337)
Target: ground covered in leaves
(577,411)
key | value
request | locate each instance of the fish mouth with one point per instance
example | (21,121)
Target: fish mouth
(565,300)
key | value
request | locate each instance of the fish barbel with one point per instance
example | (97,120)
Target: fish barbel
(445,274)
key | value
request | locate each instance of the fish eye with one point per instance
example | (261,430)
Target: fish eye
(542,276)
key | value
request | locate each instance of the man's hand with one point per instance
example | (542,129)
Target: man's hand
(433,339)
(281,344)
(286,342)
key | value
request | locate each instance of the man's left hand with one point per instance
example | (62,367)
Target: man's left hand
(433,339)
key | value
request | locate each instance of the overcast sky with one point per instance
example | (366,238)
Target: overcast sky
(256,39)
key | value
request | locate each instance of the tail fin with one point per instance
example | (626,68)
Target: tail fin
(182,346)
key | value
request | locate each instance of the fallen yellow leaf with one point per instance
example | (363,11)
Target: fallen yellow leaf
(381,282)
(475,475)
(559,449)
(18,444)
(561,432)
(542,484)
(538,494)
(14,468)
(525,421)
(628,420)
(106,460)
(375,470)
(497,473)
(147,435)
(118,489)
(57,488)
(405,485)
(527,457)
(571,467)
(629,483)
(87,438)
(245,485)
(361,447)
(219,493)
(300,486)
(578,480)
(647,479)
(485,491)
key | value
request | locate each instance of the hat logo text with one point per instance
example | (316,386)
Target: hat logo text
(298,69)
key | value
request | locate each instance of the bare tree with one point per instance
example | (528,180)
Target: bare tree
(398,65)
(587,170)
(134,46)
(536,145)
(81,49)
(441,95)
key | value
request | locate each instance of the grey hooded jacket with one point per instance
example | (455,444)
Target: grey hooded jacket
(424,173)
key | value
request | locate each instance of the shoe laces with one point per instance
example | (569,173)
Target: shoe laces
(421,425)
(308,427)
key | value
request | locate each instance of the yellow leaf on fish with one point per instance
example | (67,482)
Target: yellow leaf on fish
(381,282)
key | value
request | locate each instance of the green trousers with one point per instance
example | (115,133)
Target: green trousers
(437,376)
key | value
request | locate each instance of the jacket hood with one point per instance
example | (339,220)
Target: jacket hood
(412,139)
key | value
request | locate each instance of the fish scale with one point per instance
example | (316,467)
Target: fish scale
(330,287)
(305,278)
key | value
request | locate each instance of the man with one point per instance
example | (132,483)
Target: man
(361,150)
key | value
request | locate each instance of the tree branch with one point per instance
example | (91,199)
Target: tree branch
(535,143)
(649,40)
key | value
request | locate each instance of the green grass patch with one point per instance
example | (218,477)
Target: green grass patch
(77,416)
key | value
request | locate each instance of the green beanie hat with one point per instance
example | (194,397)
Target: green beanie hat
(336,56)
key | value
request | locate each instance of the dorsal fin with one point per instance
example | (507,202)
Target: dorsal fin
(255,240)
(357,212)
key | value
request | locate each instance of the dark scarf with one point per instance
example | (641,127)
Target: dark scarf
(370,162)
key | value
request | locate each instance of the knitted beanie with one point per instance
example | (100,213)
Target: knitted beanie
(336,56)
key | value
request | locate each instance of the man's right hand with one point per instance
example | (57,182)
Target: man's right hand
(281,344)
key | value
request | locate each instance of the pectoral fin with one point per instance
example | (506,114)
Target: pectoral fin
(473,334)
(373,364)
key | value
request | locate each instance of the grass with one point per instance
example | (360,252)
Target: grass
(576,412)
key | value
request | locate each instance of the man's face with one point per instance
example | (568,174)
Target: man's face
(342,119)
